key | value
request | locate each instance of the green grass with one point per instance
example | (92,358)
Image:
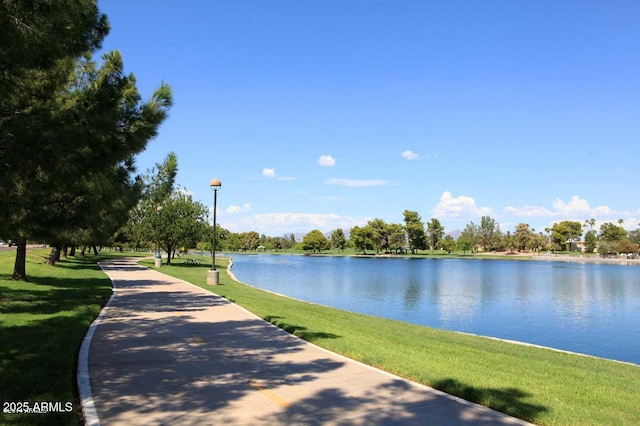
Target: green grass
(42,323)
(539,385)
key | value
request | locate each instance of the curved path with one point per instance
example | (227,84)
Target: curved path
(166,352)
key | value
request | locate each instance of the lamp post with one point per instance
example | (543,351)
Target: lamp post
(158,260)
(213,274)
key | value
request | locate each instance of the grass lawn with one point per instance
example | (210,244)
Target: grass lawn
(539,385)
(42,323)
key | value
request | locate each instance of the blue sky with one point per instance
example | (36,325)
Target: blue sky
(318,115)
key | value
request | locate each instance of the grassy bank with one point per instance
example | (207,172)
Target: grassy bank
(542,386)
(42,323)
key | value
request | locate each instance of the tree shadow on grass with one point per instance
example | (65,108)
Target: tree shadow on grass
(46,295)
(38,364)
(38,272)
(512,401)
(299,331)
(185,264)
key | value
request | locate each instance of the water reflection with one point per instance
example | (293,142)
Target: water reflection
(412,294)
(587,308)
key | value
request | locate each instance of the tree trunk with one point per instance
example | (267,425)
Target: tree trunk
(73,251)
(169,249)
(65,251)
(54,255)
(95,250)
(19,268)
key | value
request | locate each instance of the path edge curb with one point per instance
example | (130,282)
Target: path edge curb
(83,378)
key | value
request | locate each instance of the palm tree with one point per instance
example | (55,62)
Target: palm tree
(592,223)
(620,222)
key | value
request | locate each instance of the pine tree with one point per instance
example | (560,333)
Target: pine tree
(70,155)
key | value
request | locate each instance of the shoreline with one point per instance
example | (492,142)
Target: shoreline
(578,258)
(586,259)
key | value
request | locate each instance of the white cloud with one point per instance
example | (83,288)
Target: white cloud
(238,209)
(326,161)
(281,223)
(356,183)
(409,155)
(270,173)
(461,207)
(578,207)
(575,209)
(529,211)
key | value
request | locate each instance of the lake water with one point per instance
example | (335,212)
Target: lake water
(586,308)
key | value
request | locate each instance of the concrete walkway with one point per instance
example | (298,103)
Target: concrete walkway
(165,352)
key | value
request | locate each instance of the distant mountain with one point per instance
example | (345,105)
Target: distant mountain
(347,233)
(455,233)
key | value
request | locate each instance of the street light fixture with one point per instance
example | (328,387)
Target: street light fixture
(213,275)
(158,259)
